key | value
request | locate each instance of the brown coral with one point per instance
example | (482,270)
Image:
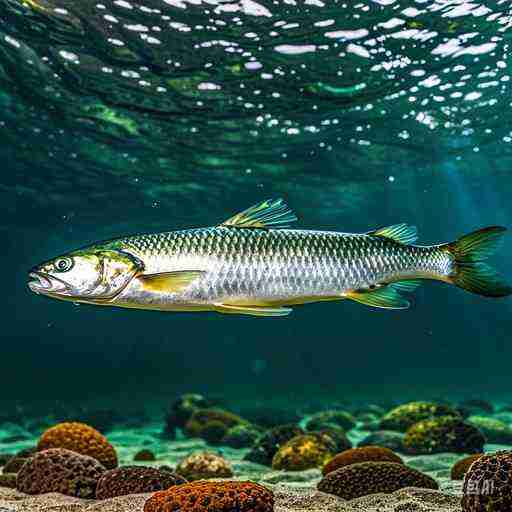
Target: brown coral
(60,470)
(80,438)
(364,478)
(144,456)
(212,497)
(135,480)
(488,484)
(211,424)
(363,454)
(204,465)
(304,452)
(460,468)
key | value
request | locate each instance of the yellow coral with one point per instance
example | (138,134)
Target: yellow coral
(80,438)
(303,452)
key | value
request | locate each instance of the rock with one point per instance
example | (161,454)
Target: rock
(494,430)
(365,478)
(60,470)
(213,497)
(445,434)
(460,468)
(304,452)
(180,412)
(211,424)
(488,484)
(365,454)
(404,416)
(81,439)
(240,436)
(135,480)
(269,443)
(203,465)
(144,456)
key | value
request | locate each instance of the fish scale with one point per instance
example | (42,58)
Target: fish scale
(281,264)
(254,264)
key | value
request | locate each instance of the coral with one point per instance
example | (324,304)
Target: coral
(304,452)
(211,424)
(240,436)
(444,434)
(80,438)
(366,454)
(488,484)
(204,465)
(326,419)
(338,436)
(385,438)
(144,456)
(267,445)
(213,432)
(213,497)
(60,470)
(15,464)
(181,410)
(364,478)
(494,430)
(404,416)
(135,480)
(8,480)
(460,468)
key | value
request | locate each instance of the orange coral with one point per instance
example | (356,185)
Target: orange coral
(362,454)
(80,438)
(212,497)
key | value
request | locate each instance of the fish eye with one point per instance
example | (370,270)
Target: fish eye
(63,264)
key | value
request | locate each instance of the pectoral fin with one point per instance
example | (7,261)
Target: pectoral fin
(170,282)
(385,297)
(252,310)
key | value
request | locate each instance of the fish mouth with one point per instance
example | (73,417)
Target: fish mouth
(43,284)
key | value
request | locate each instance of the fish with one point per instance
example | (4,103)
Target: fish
(255,264)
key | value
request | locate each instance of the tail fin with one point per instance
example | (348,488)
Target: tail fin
(471,272)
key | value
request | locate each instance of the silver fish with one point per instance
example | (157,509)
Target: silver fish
(254,264)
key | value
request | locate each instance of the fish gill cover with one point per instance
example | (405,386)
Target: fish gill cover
(196,97)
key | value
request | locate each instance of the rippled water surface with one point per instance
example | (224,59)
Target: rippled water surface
(182,99)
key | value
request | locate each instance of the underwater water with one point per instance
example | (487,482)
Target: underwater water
(123,117)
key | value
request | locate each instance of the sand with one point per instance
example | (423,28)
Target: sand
(294,491)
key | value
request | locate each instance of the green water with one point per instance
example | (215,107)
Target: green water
(120,117)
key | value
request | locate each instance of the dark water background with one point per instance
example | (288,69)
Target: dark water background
(357,119)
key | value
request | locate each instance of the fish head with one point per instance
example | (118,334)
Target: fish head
(94,275)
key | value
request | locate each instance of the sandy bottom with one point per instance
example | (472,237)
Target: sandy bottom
(294,491)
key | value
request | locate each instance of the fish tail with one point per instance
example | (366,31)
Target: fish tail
(471,272)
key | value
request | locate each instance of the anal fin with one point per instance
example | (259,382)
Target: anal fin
(386,297)
(252,310)
(408,285)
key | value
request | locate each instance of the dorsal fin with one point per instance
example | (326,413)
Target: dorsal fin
(273,213)
(401,233)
